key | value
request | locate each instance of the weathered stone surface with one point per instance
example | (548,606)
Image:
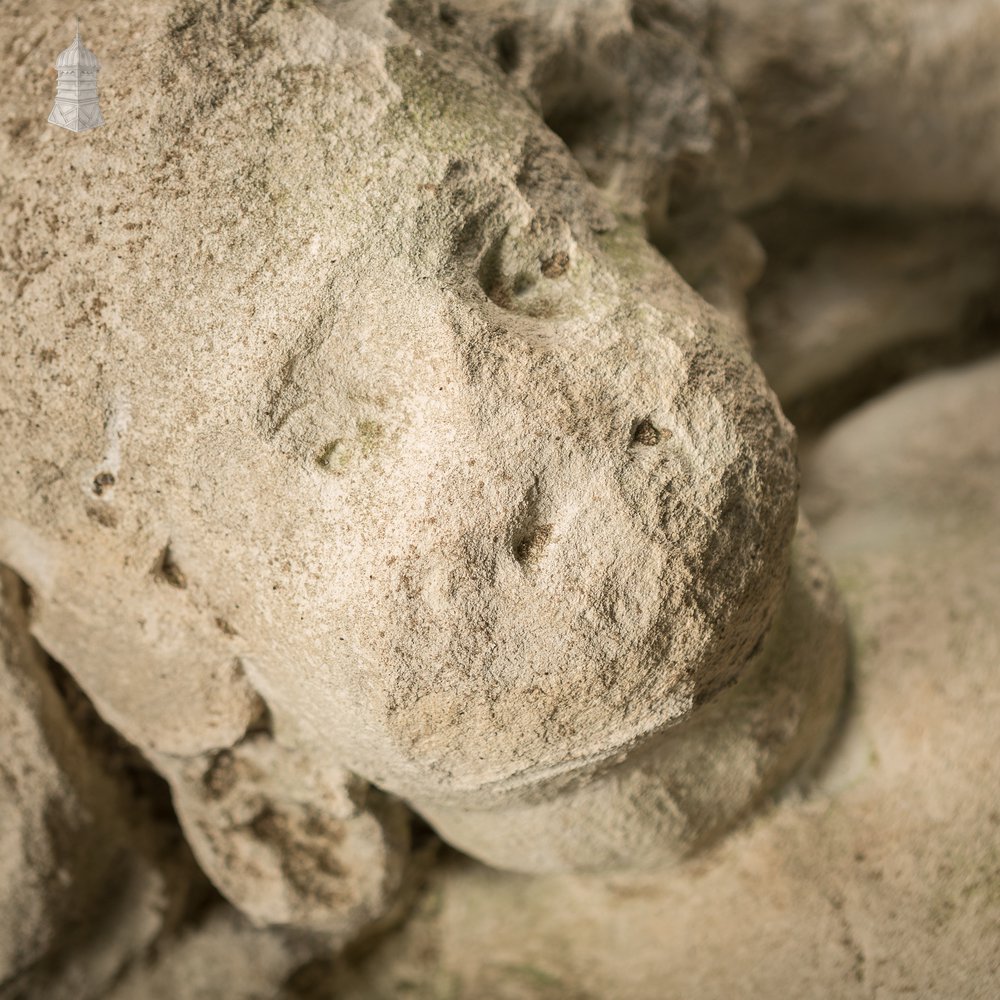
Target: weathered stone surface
(883,880)
(631,90)
(662,802)
(355,434)
(83,883)
(289,841)
(373,416)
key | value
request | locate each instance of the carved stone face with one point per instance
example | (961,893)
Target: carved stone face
(506,543)
(394,426)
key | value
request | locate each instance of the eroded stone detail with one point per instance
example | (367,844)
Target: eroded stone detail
(394,456)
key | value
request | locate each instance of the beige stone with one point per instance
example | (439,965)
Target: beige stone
(364,455)
(631,89)
(85,881)
(681,789)
(878,879)
(351,423)
(289,841)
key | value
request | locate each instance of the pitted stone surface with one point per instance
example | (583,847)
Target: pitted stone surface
(356,430)
(87,878)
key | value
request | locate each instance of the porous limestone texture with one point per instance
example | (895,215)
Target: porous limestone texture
(662,801)
(686,113)
(629,86)
(289,841)
(356,437)
(885,879)
(85,884)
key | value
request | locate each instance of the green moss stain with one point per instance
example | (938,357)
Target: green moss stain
(448,114)
(625,246)
(370,436)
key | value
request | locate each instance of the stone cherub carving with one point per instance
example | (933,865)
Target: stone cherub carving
(388,466)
